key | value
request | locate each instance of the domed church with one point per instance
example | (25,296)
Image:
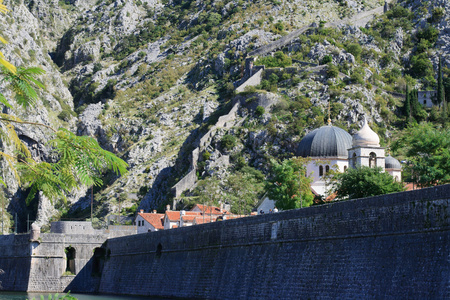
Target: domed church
(330,147)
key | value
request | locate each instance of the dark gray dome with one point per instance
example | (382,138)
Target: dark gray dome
(391,163)
(326,141)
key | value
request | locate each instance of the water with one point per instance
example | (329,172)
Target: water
(24,296)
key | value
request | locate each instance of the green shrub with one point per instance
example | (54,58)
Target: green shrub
(326,59)
(260,110)
(279,60)
(333,71)
(228,141)
(206,155)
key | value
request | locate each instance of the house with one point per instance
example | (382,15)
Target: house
(146,222)
(426,98)
(180,218)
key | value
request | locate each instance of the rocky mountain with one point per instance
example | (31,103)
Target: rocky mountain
(155,82)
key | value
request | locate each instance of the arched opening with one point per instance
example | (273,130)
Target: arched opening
(354,160)
(158,250)
(372,160)
(320,170)
(327,169)
(345,168)
(70,261)
(98,261)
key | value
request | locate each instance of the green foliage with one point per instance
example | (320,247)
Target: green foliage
(228,141)
(57,296)
(437,14)
(421,66)
(289,186)
(440,88)
(354,49)
(22,84)
(428,33)
(332,71)
(280,60)
(259,111)
(243,189)
(326,59)
(206,155)
(364,182)
(81,162)
(427,150)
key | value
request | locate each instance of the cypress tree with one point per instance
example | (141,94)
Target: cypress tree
(440,88)
(407,105)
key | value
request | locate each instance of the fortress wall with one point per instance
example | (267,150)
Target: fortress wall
(48,263)
(14,261)
(393,246)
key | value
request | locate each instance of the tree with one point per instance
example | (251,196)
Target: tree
(289,186)
(427,150)
(407,105)
(208,192)
(79,159)
(440,88)
(364,182)
(243,191)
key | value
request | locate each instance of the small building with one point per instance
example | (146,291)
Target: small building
(427,98)
(147,222)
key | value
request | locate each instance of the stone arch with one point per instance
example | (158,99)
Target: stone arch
(98,261)
(70,260)
(372,160)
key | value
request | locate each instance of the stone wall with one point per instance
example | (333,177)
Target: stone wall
(15,262)
(254,80)
(278,44)
(49,262)
(392,246)
(189,180)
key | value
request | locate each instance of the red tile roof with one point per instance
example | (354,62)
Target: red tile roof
(209,209)
(174,215)
(156,220)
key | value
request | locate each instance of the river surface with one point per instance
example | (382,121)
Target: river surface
(37,296)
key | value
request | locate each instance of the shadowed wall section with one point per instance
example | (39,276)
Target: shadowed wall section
(392,246)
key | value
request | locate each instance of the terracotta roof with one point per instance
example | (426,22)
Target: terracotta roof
(207,219)
(210,209)
(174,215)
(156,220)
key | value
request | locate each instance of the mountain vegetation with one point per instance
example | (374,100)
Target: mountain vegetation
(154,81)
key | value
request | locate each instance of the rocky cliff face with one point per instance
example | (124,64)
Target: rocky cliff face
(148,78)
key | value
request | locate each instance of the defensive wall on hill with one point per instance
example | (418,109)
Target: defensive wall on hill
(392,246)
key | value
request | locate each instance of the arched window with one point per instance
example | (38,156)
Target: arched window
(320,170)
(345,168)
(327,169)
(354,160)
(70,260)
(372,160)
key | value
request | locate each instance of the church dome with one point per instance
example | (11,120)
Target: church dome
(366,137)
(326,141)
(392,163)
